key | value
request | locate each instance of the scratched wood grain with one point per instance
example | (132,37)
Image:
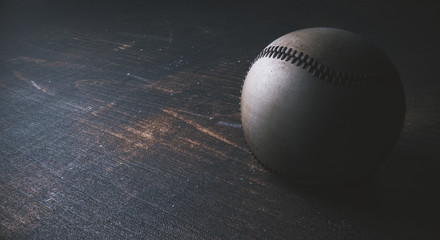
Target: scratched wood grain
(121,120)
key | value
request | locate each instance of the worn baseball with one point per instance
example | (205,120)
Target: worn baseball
(322,106)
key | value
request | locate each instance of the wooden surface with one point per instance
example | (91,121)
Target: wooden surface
(120,120)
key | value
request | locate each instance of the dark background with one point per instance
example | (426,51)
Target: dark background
(120,119)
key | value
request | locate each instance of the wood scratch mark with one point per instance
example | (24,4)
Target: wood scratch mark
(195,114)
(123,47)
(129,140)
(84,83)
(38,87)
(42,62)
(228,124)
(20,76)
(201,128)
(144,134)
(103,108)
(190,141)
(139,78)
(28,60)
(35,85)
(170,91)
(195,144)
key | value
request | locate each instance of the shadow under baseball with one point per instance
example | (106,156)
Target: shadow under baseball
(406,186)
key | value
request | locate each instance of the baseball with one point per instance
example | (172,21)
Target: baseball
(322,106)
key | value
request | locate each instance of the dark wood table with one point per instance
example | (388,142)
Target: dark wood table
(121,120)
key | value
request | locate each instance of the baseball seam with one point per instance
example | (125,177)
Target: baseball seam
(319,70)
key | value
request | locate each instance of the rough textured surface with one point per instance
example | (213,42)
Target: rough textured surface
(120,119)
